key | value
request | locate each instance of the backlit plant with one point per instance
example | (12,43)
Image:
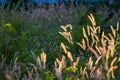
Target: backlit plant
(102,46)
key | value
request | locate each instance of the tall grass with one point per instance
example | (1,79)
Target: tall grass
(36,31)
(101,63)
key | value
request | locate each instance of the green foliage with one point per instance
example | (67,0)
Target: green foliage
(15,4)
(49,76)
(71,69)
(118,39)
(18,36)
(68,79)
(118,43)
(7,40)
(18,4)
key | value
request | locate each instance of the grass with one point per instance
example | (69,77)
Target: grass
(37,31)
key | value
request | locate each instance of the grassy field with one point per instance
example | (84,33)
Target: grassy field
(26,36)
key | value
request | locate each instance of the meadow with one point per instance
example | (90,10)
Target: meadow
(60,42)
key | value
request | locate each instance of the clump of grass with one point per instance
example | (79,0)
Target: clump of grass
(103,48)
